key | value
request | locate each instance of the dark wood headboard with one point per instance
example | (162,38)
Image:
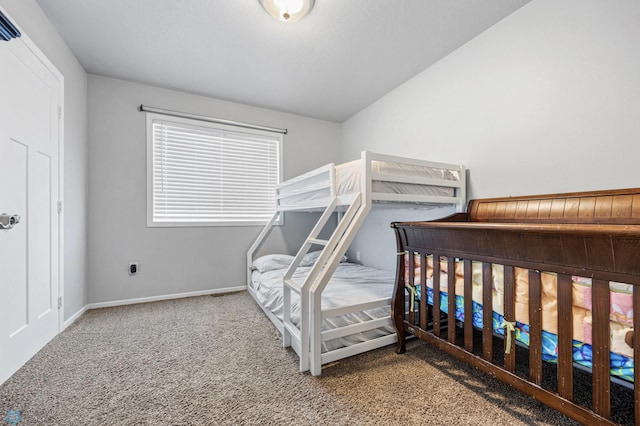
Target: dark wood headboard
(621,206)
(570,233)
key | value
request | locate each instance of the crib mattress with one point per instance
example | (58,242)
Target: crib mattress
(620,365)
(349,285)
(621,312)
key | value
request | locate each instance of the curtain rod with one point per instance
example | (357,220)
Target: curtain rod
(143,108)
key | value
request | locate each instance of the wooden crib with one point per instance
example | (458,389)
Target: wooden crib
(589,234)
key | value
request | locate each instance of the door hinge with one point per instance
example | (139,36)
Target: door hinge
(59,207)
(59,111)
(59,302)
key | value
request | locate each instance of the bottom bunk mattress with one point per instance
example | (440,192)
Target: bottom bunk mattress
(350,284)
(621,313)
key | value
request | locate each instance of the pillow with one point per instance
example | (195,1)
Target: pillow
(271,262)
(310,258)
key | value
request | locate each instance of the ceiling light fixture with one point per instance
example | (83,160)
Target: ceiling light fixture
(287,10)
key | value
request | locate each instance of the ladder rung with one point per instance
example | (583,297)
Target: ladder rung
(318,242)
(293,285)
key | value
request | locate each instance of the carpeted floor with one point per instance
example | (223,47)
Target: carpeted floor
(218,360)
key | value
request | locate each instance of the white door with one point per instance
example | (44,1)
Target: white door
(29,141)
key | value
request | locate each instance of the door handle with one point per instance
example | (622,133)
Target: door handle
(8,221)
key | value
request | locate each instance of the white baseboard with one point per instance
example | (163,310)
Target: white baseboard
(78,314)
(73,318)
(163,297)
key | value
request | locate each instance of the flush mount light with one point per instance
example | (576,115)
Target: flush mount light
(287,10)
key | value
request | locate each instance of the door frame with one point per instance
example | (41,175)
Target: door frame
(33,47)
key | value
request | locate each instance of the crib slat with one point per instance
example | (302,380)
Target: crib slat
(451,290)
(468,306)
(535,327)
(487,309)
(436,294)
(636,353)
(412,283)
(423,291)
(509,316)
(601,343)
(565,336)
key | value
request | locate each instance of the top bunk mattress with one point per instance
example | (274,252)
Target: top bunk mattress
(348,180)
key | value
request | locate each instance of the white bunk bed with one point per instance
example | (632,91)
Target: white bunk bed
(350,189)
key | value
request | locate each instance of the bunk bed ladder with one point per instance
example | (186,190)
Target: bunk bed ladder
(338,245)
(332,252)
(290,331)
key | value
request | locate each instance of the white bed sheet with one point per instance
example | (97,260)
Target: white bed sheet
(349,178)
(350,284)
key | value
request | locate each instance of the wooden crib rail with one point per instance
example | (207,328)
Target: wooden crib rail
(611,252)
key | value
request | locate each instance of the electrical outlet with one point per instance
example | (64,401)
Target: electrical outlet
(357,255)
(133,268)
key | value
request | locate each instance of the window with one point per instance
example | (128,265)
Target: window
(203,174)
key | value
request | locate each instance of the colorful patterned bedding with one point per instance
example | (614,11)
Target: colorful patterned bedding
(621,311)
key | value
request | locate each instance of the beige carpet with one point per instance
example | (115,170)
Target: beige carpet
(218,360)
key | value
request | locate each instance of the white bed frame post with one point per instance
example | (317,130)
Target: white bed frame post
(462,191)
(286,316)
(258,243)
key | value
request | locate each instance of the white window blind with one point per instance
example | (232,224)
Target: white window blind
(209,174)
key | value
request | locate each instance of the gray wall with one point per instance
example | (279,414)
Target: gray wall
(32,20)
(173,260)
(547,100)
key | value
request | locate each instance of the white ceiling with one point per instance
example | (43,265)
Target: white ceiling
(333,63)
